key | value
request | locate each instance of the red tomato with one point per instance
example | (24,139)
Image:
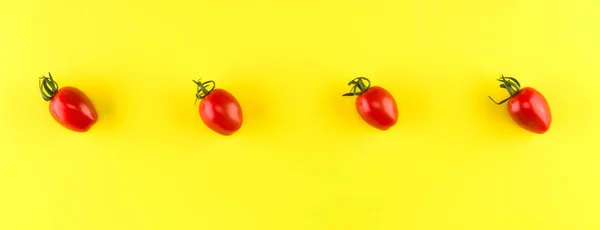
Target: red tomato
(219,110)
(69,106)
(375,105)
(527,107)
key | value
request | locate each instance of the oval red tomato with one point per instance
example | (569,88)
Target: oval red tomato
(527,106)
(375,105)
(219,110)
(69,106)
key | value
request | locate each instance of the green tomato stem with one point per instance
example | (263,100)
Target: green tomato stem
(511,85)
(203,89)
(48,87)
(358,86)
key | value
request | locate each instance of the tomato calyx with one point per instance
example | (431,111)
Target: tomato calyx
(204,88)
(358,86)
(48,87)
(511,85)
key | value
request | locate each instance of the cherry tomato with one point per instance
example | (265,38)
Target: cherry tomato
(69,106)
(219,110)
(527,106)
(375,105)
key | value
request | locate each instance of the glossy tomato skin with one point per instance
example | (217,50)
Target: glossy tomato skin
(377,107)
(221,112)
(530,110)
(73,109)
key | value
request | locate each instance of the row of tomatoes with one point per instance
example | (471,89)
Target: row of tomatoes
(221,112)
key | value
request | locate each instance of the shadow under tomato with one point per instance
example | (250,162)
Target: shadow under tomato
(414,109)
(258,102)
(257,117)
(105,93)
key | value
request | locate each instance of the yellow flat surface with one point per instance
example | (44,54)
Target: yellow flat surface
(303,159)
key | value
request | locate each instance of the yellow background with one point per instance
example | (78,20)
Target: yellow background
(303,158)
